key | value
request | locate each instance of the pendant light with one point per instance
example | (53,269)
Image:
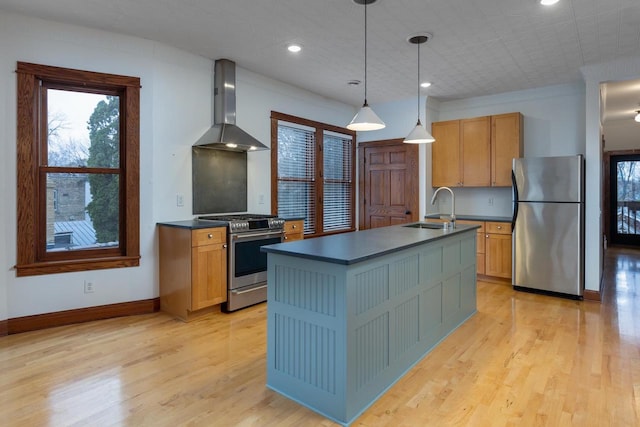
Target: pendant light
(365,119)
(419,134)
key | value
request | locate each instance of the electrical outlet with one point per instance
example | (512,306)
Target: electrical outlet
(179,200)
(490,201)
(261,199)
(88,287)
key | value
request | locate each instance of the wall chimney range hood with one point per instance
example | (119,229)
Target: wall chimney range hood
(224,134)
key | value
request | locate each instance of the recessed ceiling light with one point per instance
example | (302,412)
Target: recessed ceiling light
(548,2)
(425,84)
(294,48)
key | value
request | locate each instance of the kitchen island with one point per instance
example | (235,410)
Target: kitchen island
(350,314)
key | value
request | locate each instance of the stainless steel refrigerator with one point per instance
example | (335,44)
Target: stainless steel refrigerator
(548,225)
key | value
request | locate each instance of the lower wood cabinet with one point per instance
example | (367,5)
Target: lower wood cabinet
(493,248)
(293,230)
(498,249)
(193,269)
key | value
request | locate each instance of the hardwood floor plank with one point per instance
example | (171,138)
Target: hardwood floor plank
(523,359)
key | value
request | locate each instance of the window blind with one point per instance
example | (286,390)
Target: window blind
(337,186)
(296,174)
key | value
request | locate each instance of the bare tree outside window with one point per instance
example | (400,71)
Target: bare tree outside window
(628,197)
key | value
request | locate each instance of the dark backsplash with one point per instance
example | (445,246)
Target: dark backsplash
(219,180)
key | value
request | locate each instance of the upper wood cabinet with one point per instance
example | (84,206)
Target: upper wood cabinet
(506,144)
(446,170)
(476,152)
(475,139)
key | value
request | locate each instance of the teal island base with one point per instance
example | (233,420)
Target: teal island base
(341,334)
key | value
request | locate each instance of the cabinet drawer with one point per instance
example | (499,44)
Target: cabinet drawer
(498,227)
(291,237)
(291,227)
(208,236)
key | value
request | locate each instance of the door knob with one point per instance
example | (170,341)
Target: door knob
(407,213)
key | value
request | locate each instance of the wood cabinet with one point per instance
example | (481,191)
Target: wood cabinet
(193,269)
(498,249)
(461,153)
(506,144)
(445,154)
(475,140)
(293,230)
(476,152)
(493,248)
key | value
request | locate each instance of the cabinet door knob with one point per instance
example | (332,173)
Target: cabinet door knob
(224,246)
(286,238)
(499,227)
(210,236)
(486,235)
(294,226)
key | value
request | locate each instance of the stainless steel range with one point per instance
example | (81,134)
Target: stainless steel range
(247,268)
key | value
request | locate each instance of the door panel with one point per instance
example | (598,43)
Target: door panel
(378,179)
(547,247)
(476,154)
(388,183)
(550,179)
(397,182)
(445,154)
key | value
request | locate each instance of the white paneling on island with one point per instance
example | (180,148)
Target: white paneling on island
(350,314)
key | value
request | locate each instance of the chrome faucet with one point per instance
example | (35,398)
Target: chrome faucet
(453,203)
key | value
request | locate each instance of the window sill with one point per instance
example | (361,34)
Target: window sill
(68,266)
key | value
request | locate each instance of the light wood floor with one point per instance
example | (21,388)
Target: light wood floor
(523,360)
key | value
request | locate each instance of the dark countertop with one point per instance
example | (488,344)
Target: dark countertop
(358,246)
(292,218)
(193,224)
(472,217)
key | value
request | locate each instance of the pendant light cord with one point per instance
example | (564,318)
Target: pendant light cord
(418,82)
(365,52)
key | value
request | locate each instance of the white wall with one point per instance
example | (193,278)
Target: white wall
(176,109)
(621,135)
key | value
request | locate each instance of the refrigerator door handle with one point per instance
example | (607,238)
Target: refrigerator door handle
(515,201)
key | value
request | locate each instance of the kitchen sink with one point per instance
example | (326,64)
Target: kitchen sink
(431,225)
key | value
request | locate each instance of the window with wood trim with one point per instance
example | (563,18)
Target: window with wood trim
(77,170)
(313,174)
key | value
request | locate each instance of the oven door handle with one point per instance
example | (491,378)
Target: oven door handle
(252,235)
(233,291)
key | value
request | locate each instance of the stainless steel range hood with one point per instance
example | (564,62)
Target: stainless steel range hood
(224,134)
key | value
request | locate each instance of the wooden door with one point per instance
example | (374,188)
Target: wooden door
(506,144)
(475,137)
(388,183)
(446,168)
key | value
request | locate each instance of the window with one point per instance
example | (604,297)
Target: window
(78,171)
(313,174)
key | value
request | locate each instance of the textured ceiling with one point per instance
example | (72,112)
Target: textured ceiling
(479,47)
